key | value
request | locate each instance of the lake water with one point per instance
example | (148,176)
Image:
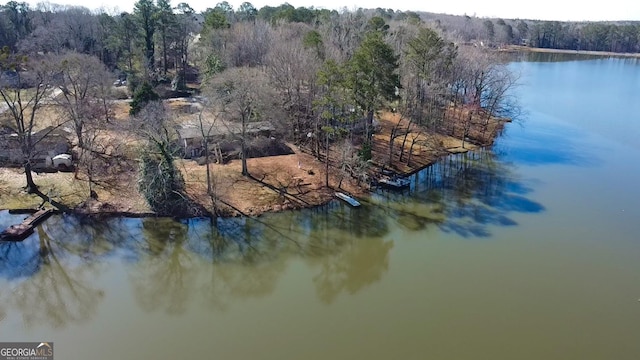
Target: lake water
(528,251)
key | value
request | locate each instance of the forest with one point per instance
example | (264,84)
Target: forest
(320,79)
(618,36)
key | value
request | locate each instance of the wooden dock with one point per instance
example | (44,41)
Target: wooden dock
(395,182)
(19,232)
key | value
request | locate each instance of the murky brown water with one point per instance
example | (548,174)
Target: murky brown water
(526,252)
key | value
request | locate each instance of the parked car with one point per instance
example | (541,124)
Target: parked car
(63,162)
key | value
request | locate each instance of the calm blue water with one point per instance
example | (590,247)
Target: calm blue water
(527,251)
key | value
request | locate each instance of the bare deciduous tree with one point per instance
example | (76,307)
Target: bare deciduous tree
(244,95)
(85,88)
(23,95)
(351,164)
(249,43)
(207,129)
(293,70)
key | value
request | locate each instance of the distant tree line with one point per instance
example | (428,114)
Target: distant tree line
(620,36)
(117,38)
(320,76)
(587,36)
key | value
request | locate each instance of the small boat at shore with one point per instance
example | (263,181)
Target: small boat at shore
(348,199)
(395,182)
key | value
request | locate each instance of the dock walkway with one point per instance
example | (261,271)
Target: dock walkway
(19,232)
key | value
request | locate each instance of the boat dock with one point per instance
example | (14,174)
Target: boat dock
(348,199)
(19,232)
(395,182)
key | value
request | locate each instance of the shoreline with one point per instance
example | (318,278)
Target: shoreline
(277,183)
(522,49)
(84,209)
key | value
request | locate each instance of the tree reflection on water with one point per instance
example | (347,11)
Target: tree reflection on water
(58,295)
(347,246)
(172,264)
(465,193)
(352,269)
(59,290)
(164,277)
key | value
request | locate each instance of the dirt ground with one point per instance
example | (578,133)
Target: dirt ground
(428,146)
(276,183)
(116,196)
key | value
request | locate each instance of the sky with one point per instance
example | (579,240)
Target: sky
(561,10)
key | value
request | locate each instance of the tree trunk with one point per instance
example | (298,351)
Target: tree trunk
(392,138)
(164,52)
(413,142)
(316,140)
(390,162)
(369,126)
(130,56)
(243,146)
(105,107)
(31,187)
(326,162)
(404,141)
(184,61)
(206,162)
(466,127)
(210,190)
(150,52)
(79,126)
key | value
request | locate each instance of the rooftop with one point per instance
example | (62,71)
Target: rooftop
(193,131)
